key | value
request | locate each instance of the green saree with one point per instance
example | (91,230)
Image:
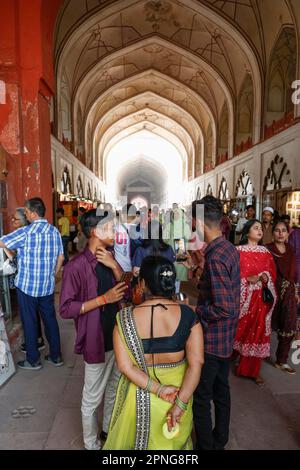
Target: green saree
(138,415)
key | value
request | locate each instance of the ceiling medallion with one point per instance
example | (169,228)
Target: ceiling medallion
(160,11)
(153,48)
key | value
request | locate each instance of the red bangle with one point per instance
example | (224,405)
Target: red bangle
(105,301)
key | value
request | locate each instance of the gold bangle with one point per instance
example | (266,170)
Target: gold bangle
(82,309)
(97,301)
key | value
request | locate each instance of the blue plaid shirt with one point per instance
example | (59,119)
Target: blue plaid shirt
(38,245)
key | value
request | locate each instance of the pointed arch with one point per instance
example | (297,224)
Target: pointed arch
(223,131)
(223,191)
(244,186)
(278,175)
(209,191)
(208,159)
(245,106)
(281,74)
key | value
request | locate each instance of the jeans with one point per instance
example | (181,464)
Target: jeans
(29,308)
(99,380)
(213,386)
(65,242)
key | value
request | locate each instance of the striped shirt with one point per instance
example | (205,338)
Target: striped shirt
(38,246)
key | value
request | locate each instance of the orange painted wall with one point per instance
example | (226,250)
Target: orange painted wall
(26,67)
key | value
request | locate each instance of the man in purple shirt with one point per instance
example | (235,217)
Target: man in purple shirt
(89,296)
(218,309)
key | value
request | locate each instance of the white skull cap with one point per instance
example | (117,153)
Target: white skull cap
(269,209)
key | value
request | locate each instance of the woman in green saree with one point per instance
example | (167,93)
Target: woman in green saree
(159,352)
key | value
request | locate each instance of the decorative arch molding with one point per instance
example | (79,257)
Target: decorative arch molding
(278,175)
(95,16)
(155,75)
(190,124)
(244,186)
(64,125)
(89,191)
(223,136)
(79,187)
(109,140)
(282,71)
(209,191)
(95,194)
(245,111)
(186,147)
(223,190)
(208,71)
(65,182)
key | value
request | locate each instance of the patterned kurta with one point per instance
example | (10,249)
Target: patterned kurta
(254,327)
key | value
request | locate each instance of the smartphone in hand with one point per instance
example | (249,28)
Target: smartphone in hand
(180,249)
(126,277)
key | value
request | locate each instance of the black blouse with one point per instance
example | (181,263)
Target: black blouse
(176,342)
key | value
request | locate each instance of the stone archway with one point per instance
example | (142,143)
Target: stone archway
(244,192)
(277,185)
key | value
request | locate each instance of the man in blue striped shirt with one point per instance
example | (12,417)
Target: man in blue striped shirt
(40,257)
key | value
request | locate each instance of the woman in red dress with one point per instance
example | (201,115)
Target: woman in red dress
(284,319)
(258,270)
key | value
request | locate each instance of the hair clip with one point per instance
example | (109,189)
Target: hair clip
(167,273)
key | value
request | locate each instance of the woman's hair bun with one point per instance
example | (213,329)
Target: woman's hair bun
(167,277)
(159,275)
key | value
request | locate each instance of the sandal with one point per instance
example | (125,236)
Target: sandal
(285,368)
(259,381)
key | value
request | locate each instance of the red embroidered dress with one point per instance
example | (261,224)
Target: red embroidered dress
(252,339)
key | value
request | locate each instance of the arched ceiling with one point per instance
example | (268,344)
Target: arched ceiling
(149,108)
(154,103)
(170,64)
(163,86)
(134,124)
(144,158)
(142,172)
(259,22)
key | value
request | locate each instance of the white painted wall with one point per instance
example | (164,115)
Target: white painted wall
(256,162)
(60,157)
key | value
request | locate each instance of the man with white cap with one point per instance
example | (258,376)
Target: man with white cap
(267,217)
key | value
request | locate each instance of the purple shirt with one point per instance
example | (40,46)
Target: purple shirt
(80,284)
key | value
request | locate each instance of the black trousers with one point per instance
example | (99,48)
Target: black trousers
(213,386)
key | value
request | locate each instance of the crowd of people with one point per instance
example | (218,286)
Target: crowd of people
(156,361)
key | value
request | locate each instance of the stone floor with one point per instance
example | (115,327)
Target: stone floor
(262,418)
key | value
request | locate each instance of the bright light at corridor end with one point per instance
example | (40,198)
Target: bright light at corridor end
(139,157)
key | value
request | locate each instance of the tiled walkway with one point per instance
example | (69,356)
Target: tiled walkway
(262,418)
